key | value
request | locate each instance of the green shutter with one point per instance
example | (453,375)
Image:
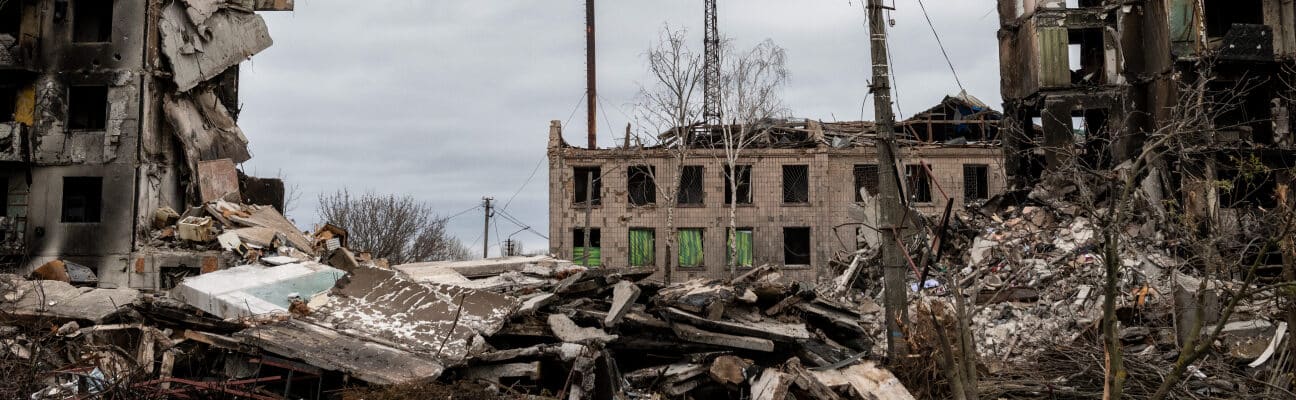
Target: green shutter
(643,251)
(690,248)
(744,248)
(595,256)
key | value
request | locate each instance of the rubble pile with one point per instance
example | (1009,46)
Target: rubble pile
(1033,276)
(300,316)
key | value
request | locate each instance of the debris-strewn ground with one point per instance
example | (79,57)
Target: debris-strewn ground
(304,317)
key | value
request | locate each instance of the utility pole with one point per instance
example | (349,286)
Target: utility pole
(486,226)
(891,211)
(591,95)
(710,65)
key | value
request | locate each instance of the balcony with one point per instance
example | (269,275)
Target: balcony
(12,142)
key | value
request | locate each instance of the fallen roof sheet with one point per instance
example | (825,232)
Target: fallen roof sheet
(254,289)
(443,321)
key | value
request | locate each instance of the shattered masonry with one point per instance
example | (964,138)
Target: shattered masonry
(97,97)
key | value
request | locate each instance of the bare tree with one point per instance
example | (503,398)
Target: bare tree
(397,228)
(668,106)
(750,88)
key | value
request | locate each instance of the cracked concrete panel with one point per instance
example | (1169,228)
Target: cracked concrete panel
(206,128)
(319,346)
(442,321)
(202,39)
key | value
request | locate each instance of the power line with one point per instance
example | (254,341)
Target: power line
(462,212)
(514,220)
(524,184)
(942,45)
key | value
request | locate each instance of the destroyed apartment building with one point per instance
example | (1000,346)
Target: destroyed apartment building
(1086,83)
(111,110)
(804,192)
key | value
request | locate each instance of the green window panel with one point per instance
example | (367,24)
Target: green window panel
(690,248)
(595,258)
(643,249)
(743,238)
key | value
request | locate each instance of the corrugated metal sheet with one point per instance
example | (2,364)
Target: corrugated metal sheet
(690,248)
(1054,56)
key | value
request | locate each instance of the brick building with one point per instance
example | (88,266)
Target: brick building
(106,109)
(799,198)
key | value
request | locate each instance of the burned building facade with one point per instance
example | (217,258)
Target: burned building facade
(107,107)
(803,193)
(1088,82)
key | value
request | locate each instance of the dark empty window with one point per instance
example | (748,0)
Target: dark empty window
(796,246)
(82,199)
(742,174)
(588,255)
(919,183)
(8,104)
(866,177)
(588,182)
(1222,14)
(796,184)
(92,21)
(88,108)
(976,182)
(10,17)
(690,189)
(1247,190)
(641,185)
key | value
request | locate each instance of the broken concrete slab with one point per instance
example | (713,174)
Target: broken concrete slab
(768,330)
(218,179)
(202,44)
(771,385)
(693,334)
(729,370)
(472,269)
(269,218)
(696,295)
(624,293)
(866,380)
(251,290)
(205,126)
(57,299)
(328,349)
(494,373)
(442,321)
(567,331)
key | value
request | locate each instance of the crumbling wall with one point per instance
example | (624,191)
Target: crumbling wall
(832,213)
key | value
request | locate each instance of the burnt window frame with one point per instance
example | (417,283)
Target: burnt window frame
(977,186)
(688,175)
(579,175)
(796,190)
(868,173)
(101,33)
(789,252)
(641,181)
(742,174)
(918,183)
(77,99)
(90,190)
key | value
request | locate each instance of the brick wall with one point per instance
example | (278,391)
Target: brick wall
(831,189)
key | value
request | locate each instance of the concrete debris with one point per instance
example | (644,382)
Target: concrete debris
(203,38)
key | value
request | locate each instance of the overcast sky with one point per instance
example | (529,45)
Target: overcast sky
(449,101)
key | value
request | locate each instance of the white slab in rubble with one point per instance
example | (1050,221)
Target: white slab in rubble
(255,289)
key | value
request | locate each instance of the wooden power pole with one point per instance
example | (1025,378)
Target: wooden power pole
(891,211)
